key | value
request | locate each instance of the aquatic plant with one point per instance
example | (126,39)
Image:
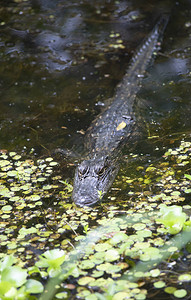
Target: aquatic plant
(14,283)
(52,260)
(172,217)
(114,250)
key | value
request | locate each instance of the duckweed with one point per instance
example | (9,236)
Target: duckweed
(37,215)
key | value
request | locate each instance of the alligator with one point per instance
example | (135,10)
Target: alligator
(112,129)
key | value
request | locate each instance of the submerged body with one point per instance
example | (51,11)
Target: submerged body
(112,128)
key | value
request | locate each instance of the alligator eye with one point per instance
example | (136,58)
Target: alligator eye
(82,171)
(100,171)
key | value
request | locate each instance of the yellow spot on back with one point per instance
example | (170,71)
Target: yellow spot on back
(121,126)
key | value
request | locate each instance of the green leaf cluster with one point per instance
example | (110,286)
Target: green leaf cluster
(14,283)
(172,218)
(52,260)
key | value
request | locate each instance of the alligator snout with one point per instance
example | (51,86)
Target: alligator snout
(85,192)
(84,200)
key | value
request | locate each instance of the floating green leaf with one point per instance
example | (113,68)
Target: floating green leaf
(14,275)
(85,280)
(7,261)
(52,259)
(7,291)
(187,176)
(172,217)
(159,284)
(180,293)
(111,255)
(184,277)
(34,287)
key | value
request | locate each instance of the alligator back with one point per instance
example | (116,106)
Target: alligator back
(105,136)
(115,124)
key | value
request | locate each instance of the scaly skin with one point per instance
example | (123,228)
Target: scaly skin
(112,128)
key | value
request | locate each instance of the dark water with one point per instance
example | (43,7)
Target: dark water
(57,64)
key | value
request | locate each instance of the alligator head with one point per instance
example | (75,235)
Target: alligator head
(93,177)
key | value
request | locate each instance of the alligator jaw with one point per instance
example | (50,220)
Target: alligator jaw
(85,200)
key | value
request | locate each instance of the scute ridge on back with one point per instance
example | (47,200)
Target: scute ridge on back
(111,130)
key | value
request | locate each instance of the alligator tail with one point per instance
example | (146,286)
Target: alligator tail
(143,57)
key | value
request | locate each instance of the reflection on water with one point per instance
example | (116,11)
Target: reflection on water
(60,58)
